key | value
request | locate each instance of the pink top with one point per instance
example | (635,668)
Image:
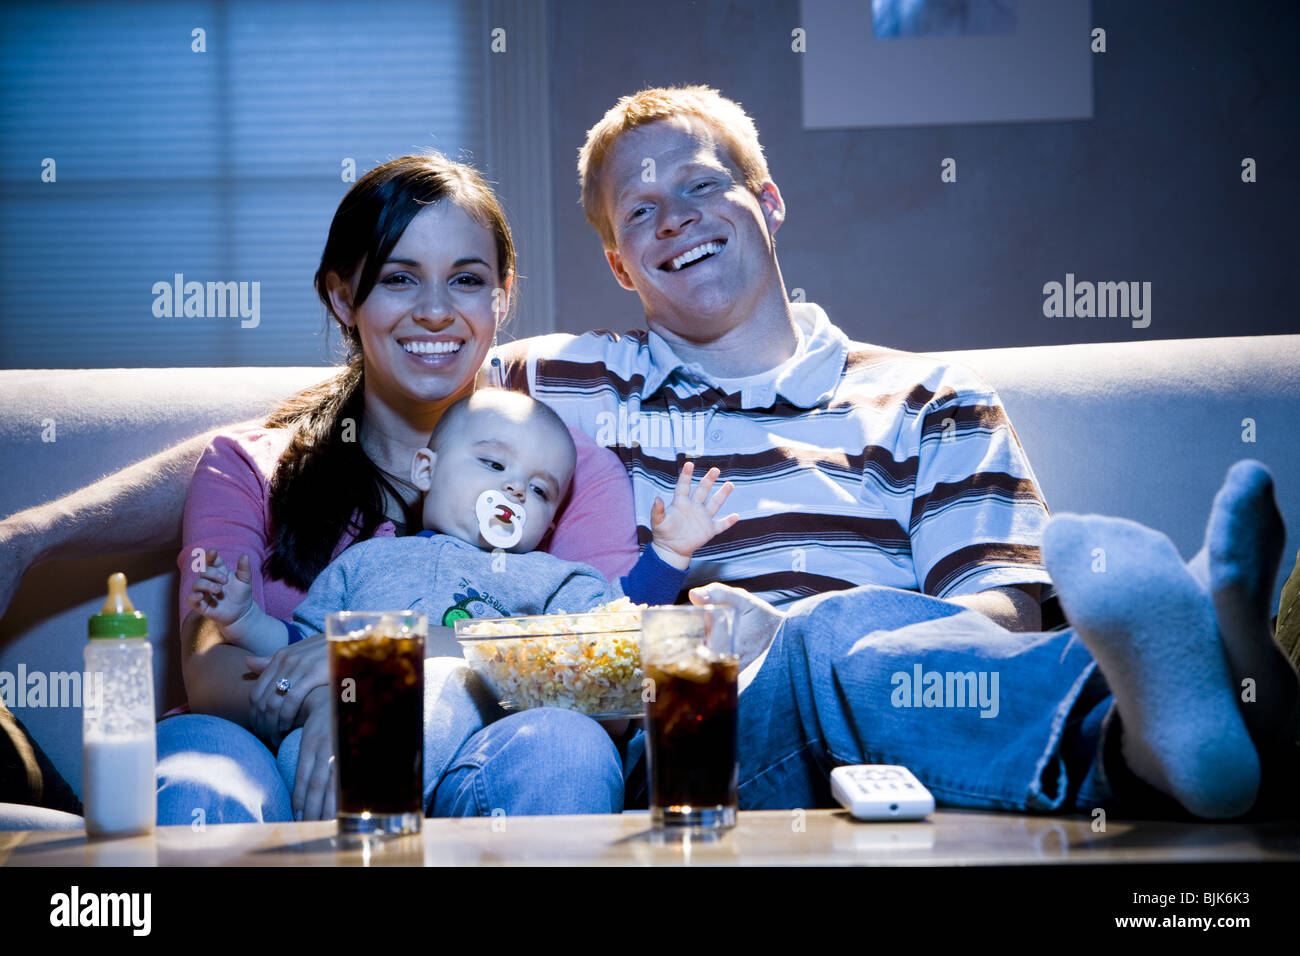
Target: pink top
(229,511)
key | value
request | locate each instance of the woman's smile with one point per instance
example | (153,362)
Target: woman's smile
(433,353)
(429,321)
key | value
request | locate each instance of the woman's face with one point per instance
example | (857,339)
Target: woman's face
(428,323)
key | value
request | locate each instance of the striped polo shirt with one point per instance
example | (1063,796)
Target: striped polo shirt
(853,464)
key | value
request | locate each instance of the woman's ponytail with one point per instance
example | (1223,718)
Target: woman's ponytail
(325,486)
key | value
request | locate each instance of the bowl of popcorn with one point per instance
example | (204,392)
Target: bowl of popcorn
(589,662)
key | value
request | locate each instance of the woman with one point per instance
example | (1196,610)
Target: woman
(417,272)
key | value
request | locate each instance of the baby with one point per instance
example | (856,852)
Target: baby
(496,468)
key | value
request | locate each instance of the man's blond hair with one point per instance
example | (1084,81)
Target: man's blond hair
(731,124)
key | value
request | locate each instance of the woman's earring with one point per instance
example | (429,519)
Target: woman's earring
(498,370)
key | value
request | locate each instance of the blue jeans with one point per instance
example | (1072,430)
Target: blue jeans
(214,771)
(870,675)
(998,720)
(835,688)
(477,759)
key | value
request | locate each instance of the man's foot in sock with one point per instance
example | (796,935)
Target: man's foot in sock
(1152,630)
(1238,567)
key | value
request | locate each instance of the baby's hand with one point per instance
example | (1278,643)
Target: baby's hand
(219,595)
(688,522)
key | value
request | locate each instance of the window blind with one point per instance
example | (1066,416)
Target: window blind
(221,166)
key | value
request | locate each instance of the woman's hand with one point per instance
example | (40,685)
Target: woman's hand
(756,621)
(305,665)
(313,785)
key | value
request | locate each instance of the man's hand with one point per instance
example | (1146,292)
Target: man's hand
(1015,607)
(17,554)
(689,521)
(756,621)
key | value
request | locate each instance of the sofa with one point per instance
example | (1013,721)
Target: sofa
(1142,430)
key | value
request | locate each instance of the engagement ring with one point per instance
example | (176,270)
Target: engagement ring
(282,685)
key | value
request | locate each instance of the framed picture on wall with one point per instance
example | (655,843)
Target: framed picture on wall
(942,62)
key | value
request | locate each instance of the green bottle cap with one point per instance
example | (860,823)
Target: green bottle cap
(118,618)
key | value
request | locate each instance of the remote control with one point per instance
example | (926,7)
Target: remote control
(881,792)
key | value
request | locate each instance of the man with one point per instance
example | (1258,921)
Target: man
(857,465)
(853,464)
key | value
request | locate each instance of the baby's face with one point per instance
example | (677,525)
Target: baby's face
(526,459)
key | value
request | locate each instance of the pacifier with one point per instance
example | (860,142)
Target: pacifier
(500,520)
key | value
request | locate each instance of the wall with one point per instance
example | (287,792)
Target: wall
(1150,189)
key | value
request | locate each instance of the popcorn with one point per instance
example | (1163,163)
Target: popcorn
(589,662)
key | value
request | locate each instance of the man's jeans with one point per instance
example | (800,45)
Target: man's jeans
(985,718)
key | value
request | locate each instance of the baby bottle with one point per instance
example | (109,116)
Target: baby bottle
(118,739)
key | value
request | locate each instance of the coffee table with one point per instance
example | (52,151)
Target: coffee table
(766,838)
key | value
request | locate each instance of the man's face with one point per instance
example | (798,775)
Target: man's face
(691,240)
(526,460)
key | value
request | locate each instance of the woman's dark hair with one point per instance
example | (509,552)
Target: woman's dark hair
(324,483)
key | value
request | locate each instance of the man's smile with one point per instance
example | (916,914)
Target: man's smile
(697,253)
